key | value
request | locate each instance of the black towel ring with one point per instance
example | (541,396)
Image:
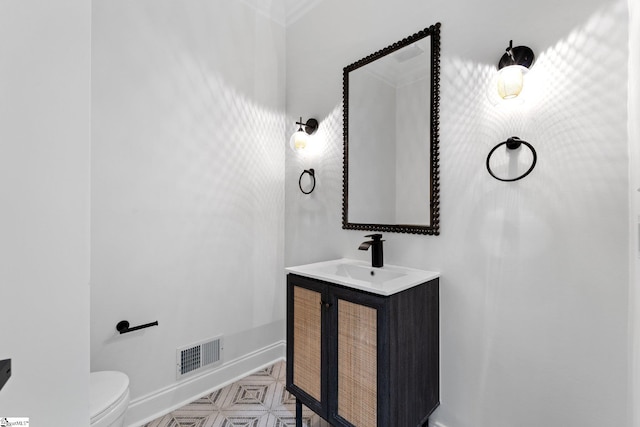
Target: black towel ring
(513,143)
(312,174)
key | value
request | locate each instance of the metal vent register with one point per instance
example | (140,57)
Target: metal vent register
(198,356)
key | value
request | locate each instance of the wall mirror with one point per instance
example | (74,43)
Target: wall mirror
(391,113)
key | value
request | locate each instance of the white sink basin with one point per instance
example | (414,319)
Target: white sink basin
(367,273)
(386,280)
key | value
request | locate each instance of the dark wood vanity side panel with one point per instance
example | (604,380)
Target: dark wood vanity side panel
(414,355)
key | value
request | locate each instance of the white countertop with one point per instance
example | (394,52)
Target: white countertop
(356,274)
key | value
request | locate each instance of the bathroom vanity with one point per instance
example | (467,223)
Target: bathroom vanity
(363,343)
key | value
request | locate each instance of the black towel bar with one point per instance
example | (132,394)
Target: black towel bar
(123,326)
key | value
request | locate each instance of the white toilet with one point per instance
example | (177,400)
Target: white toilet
(109,398)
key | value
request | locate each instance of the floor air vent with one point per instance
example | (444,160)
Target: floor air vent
(205,354)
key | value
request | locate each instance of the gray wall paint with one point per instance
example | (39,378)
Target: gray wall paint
(413,133)
(372,173)
(187,193)
(44,214)
(534,273)
(634,211)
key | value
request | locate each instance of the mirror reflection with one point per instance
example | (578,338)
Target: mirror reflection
(390,137)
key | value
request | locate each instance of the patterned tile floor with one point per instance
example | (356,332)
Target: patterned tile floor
(258,400)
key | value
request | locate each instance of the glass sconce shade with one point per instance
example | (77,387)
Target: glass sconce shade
(299,140)
(512,66)
(510,80)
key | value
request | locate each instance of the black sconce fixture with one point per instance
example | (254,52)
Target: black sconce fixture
(299,142)
(300,138)
(512,66)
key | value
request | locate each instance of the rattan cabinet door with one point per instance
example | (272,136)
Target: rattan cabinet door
(357,400)
(307,341)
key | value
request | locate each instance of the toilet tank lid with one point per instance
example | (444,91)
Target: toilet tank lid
(106,388)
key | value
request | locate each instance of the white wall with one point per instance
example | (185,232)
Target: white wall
(44,214)
(373,191)
(187,192)
(534,273)
(413,133)
(634,210)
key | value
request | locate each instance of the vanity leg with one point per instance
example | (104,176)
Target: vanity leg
(298,413)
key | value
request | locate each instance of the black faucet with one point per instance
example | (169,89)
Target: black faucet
(376,251)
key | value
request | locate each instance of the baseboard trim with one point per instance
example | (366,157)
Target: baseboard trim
(156,404)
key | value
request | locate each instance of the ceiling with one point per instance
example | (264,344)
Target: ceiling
(284,12)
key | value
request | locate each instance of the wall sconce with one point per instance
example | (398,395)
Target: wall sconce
(298,142)
(513,64)
(300,138)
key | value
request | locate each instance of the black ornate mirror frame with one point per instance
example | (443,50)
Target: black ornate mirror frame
(434,225)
